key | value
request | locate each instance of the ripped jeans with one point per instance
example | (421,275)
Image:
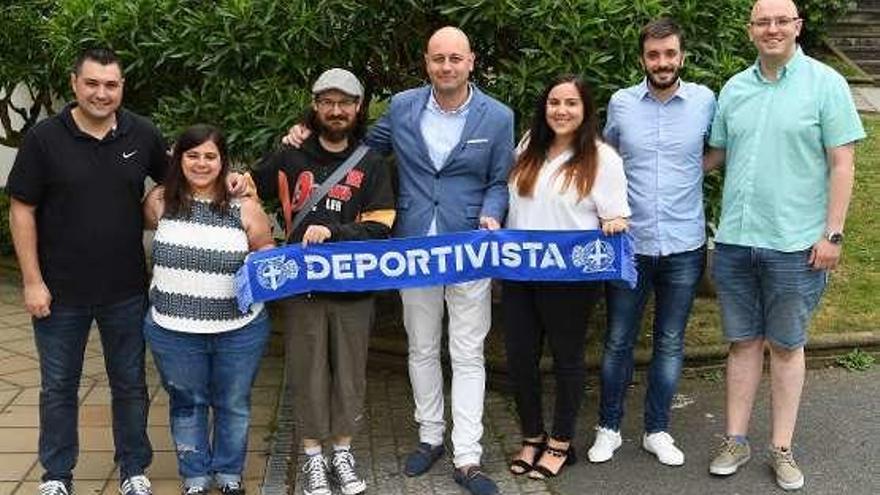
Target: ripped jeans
(202,372)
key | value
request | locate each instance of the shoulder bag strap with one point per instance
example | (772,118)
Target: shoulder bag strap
(322,191)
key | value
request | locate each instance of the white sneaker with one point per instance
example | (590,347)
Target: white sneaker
(662,445)
(607,441)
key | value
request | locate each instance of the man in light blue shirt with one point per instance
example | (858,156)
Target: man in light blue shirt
(441,129)
(787,127)
(659,127)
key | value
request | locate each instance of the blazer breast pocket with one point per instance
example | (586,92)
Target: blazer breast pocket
(474,151)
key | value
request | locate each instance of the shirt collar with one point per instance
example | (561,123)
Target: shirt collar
(435,107)
(644,91)
(791,66)
(123,123)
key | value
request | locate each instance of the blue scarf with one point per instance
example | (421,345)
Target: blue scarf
(436,260)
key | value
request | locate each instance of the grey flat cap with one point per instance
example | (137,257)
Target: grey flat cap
(339,79)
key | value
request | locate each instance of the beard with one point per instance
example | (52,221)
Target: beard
(333,132)
(657,84)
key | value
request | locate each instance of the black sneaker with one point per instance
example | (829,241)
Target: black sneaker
(194,490)
(54,487)
(232,488)
(136,485)
(343,471)
(315,476)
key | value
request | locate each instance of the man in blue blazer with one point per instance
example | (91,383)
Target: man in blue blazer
(454,148)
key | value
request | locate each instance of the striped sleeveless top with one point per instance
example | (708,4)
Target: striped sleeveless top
(195,258)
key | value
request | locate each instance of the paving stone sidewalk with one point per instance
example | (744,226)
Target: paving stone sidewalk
(95,473)
(381,447)
(837,405)
(391,433)
(867,98)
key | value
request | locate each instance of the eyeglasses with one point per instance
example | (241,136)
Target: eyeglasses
(781,22)
(325,104)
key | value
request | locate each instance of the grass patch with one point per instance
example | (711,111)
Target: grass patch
(850,302)
(713,376)
(856,360)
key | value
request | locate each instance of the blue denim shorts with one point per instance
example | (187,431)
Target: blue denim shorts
(766,294)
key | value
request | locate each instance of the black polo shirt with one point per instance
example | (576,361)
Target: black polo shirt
(88,195)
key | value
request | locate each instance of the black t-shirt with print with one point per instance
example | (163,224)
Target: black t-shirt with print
(87,194)
(365,188)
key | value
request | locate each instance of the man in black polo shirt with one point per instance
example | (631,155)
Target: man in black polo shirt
(76,189)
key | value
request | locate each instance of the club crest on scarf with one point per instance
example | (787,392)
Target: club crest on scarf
(596,256)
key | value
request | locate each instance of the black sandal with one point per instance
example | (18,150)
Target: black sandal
(540,472)
(520,466)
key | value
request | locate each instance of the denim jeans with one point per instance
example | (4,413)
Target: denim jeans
(673,279)
(209,371)
(61,340)
(766,294)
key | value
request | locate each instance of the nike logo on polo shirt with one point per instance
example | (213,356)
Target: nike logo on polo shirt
(129,154)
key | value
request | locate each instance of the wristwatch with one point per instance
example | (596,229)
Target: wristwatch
(834,237)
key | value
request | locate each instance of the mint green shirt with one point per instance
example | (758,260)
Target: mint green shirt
(775,135)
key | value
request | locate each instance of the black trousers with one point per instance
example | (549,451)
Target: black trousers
(559,311)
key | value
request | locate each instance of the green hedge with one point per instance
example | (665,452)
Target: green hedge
(6,247)
(246,65)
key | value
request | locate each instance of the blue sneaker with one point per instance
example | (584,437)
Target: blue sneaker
(421,460)
(475,480)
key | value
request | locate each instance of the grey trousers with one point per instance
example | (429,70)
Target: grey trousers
(326,342)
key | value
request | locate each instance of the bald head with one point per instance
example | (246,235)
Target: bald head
(762,7)
(449,36)
(449,62)
(774,28)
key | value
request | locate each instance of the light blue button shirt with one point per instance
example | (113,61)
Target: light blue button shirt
(662,148)
(776,135)
(441,131)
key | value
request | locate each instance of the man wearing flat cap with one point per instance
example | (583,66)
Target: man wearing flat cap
(326,334)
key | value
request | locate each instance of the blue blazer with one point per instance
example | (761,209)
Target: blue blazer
(473,180)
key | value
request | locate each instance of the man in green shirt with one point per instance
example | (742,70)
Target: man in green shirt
(786,128)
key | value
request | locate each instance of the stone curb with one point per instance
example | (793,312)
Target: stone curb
(705,355)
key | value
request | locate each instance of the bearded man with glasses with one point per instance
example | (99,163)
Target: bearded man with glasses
(327,334)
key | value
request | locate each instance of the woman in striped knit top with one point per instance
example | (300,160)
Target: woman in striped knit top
(206,350)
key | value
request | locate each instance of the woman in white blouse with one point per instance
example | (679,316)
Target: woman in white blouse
(565,178)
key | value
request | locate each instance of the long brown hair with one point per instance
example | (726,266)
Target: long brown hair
(581,168)
(178,196)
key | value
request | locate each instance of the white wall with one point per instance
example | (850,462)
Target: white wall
(21,98)
(7,155)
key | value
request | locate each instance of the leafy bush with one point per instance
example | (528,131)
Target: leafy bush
(6,247)
(24,62)
(246,65)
